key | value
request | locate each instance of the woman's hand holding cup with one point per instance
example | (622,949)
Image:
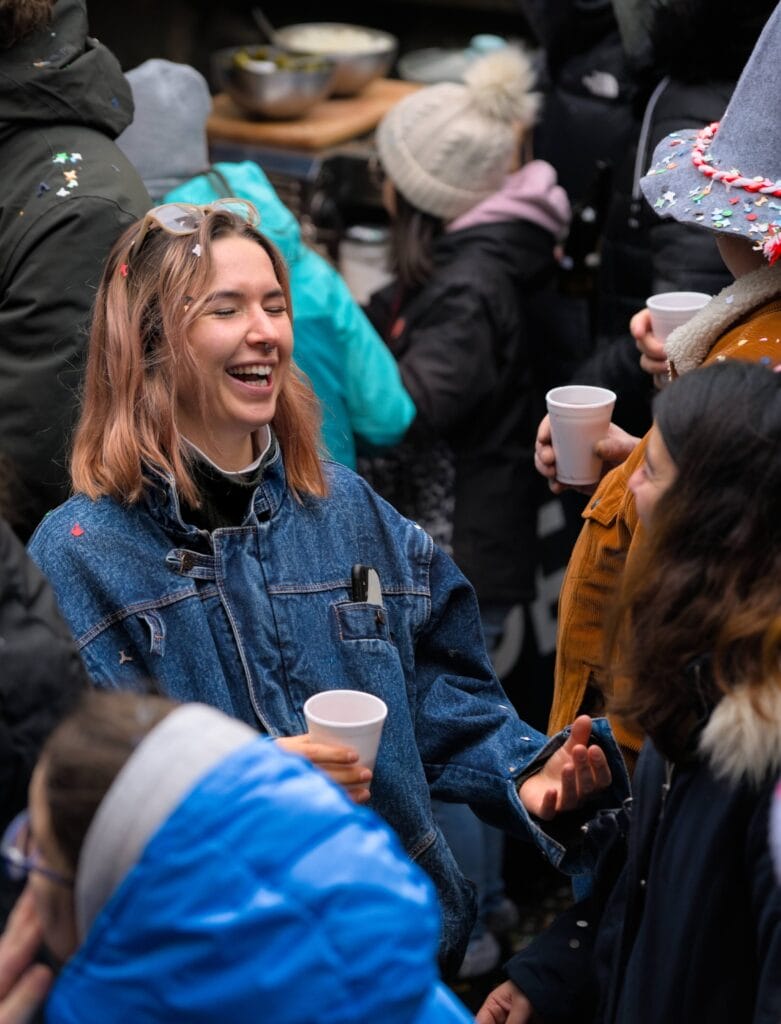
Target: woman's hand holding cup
(340,763)
(616,446)
(653,358)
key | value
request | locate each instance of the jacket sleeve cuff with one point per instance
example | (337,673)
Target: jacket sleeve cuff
(564,839)
(555,971)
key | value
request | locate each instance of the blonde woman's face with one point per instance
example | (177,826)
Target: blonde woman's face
(243,344)
(53,901)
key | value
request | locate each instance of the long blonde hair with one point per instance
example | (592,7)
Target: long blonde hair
(138,350)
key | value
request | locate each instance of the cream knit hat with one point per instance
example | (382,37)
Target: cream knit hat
(450,145)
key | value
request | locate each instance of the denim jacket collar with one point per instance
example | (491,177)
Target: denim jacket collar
(162,499)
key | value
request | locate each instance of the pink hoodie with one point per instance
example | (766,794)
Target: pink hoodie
(528,194)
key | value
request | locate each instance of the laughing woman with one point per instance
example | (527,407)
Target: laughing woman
(208,548)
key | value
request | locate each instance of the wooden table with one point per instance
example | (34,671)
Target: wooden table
(326,124)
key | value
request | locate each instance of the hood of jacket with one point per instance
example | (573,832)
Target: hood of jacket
(528,194)
(742,740)
(63,76)
(246,181)
(688,345)
(263,886)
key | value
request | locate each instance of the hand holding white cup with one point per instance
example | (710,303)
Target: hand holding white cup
(669,310)
(349,718)
(579,417)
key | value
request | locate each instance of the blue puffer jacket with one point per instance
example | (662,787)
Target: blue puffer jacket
(266,895)
(351,369)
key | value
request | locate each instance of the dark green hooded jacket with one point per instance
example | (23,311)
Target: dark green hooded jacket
(67,193)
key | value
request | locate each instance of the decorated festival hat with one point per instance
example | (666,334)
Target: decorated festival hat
(726,176)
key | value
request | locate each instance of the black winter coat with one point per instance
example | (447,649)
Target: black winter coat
(691,929)
(68,193)
(468,359)
(41,678)
(643,254)
(42,673)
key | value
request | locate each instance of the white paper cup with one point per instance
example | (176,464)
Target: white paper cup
(579,417)
(671,309)
(350,718)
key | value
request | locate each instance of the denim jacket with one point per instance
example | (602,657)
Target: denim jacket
(256,618)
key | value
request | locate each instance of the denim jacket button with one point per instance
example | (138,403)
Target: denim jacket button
(186,562)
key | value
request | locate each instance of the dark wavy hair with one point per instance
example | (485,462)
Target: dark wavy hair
(707,583)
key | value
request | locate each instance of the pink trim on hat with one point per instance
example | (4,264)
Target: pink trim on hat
(733,178)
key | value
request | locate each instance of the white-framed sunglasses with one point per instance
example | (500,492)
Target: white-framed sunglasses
(186,218)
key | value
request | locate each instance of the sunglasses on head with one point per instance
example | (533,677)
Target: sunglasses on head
(186,218)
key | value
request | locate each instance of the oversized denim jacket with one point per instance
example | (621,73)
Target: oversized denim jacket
(254,619)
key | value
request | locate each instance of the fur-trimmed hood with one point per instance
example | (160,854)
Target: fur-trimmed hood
(688,345)
(742,740)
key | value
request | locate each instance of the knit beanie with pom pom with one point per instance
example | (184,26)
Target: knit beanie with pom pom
(450,145)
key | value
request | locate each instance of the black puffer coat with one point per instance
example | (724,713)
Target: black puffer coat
(68,193)
(467,358)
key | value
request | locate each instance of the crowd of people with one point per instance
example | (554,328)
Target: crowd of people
(203,436)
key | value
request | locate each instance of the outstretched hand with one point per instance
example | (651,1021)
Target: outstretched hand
(24,984)
(569,777)
(505,1005)
(339,763)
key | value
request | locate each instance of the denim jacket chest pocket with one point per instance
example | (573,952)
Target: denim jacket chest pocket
(360,621)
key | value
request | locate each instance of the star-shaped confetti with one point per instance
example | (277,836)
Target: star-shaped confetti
(62,192)
(60,158)
(196,249)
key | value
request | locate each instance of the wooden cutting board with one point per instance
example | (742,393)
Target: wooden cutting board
(327,123)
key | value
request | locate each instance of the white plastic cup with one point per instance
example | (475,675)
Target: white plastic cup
(671,309)
(350,718)
(579,417)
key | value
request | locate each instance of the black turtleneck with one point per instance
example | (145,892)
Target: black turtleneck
(224,499)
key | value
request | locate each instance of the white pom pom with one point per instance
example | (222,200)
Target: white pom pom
(500,85)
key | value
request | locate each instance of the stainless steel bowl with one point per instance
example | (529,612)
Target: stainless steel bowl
(356,64)
(269,82)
